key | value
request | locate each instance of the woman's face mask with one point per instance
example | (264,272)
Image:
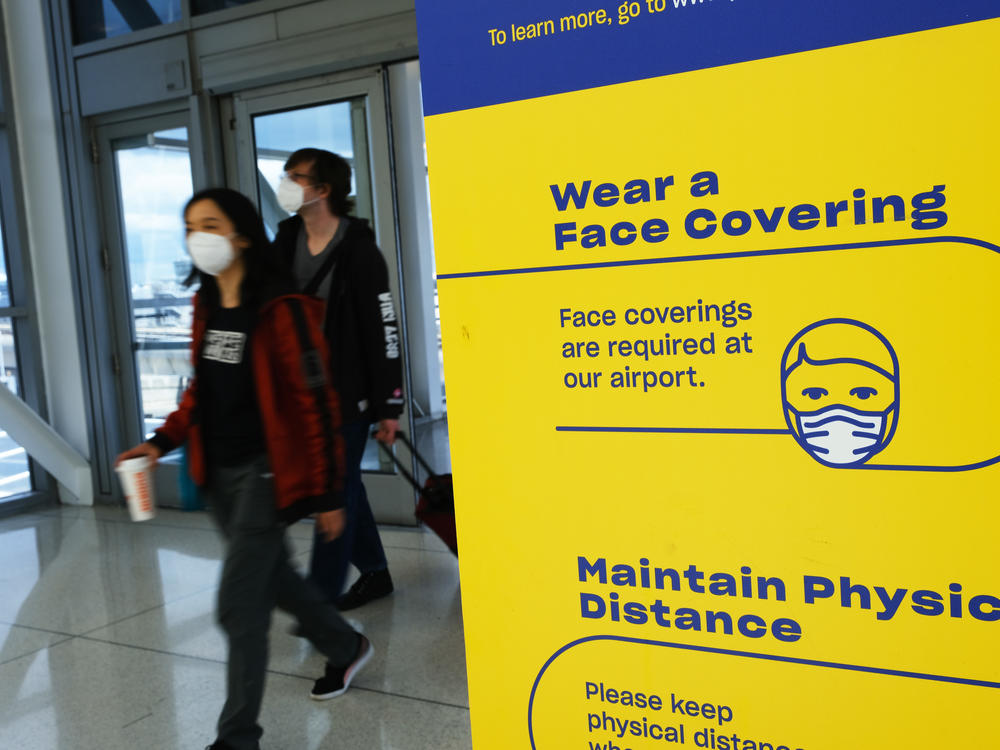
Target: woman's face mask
(211,253)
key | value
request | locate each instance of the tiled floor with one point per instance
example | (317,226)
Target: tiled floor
(108,642)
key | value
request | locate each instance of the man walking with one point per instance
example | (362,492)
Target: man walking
(334,256)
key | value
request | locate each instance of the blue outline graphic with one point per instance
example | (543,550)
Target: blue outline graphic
(749,655)
(788,367)
(903,467)
(768,431)
(678,430)
(723,256)
(751,254)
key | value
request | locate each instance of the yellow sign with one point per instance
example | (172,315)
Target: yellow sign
(720,348)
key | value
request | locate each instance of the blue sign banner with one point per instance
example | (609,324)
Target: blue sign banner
(478,53)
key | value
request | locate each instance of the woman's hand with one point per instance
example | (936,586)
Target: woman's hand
(142,450)
(330,523)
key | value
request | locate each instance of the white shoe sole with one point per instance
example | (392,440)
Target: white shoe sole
(349,675)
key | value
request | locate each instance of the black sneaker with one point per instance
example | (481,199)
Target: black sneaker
(220,745)
(368,588)
(336,680)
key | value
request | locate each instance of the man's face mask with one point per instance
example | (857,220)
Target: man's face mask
(292,196)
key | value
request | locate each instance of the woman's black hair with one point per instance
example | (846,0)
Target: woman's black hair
(265,276)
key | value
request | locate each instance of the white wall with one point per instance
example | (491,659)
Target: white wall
(416,239)
(56,308)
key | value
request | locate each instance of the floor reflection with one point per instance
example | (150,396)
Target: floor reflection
(108,640)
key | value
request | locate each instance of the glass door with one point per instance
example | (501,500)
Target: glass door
(15,470)
(158,264)
(146,180)
(339,127)
(348,117)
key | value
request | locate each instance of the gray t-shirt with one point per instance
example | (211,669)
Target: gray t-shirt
(306,264)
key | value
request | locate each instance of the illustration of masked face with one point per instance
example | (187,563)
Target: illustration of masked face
(841,436)
(841,409)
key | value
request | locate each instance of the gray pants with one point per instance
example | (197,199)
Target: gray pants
(257,577)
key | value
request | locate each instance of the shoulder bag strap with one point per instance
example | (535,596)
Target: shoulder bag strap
(321,274)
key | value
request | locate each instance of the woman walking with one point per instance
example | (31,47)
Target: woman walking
(261,422)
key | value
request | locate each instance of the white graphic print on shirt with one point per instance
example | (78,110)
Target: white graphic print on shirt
(224,346)
(391,332)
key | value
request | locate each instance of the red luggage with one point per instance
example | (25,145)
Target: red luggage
(436,504)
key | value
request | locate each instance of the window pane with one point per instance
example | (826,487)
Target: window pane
(102,19)
(154,173)
(276,136)
(5,300)
(15,477)
(207,6)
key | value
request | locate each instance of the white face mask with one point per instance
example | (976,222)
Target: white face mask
(841,436)
(211,253)
(292,196)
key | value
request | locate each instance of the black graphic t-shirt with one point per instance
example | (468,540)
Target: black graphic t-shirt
(227,394)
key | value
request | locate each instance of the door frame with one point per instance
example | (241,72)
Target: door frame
(131,424)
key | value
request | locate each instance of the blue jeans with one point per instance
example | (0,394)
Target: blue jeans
(360,544)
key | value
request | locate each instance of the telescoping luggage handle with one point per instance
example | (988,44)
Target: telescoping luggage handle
(401,436)
(436,494)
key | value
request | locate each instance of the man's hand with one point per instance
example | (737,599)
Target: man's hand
(330,523)
(386,432)
(142,450)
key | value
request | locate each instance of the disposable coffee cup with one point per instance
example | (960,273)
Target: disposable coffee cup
(136,477)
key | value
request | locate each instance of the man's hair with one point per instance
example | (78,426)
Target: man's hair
(327,169)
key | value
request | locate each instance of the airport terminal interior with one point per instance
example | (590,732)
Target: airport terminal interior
(112,114)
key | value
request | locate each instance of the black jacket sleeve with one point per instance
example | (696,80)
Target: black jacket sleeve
(380,334)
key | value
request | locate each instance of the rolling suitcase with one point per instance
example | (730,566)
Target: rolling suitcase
(436,503)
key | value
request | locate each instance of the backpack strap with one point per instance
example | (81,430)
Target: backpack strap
(314,377)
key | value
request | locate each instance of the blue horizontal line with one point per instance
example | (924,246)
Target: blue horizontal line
(787,659)
(677,430)
(721,256)
(903,467)
(837,665)
(763,431)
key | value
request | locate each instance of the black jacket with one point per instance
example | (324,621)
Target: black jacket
(361,324)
